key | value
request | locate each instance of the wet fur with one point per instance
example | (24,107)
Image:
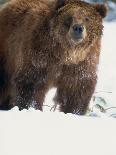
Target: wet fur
(32,60)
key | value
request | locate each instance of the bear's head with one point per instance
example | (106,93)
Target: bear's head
(77,24)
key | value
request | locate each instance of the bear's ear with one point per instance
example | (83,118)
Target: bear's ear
(60,3)
(101,9)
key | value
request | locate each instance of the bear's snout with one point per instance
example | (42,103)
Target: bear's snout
(78,30)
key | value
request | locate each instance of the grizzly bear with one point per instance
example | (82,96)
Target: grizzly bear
(44,46)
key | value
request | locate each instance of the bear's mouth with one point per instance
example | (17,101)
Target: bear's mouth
(76,40)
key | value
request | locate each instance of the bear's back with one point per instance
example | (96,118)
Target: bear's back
(18,20)
(18,13)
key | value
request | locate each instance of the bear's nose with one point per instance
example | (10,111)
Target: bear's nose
(78,29)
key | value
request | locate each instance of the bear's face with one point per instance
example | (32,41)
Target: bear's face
(77,24)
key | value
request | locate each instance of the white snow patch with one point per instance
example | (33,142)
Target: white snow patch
(107,69)
(37,133)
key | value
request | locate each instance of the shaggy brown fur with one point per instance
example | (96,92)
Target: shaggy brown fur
(39,50)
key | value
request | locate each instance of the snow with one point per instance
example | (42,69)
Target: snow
(35,133)
(106,87)
(54,133)
(107,69)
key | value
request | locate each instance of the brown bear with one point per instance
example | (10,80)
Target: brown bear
(44,46)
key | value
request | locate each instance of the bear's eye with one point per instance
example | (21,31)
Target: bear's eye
(67,21)
(87,19)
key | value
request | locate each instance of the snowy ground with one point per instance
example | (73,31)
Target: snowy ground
(36,133)
(106,87)
(48,133)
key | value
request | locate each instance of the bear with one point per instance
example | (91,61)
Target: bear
(45,45)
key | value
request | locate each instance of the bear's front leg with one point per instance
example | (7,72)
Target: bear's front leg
(74,90)
(24,95)
(26,83)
